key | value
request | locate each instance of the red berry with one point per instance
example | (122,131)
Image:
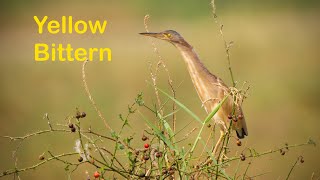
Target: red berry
(146,145)
(96,174)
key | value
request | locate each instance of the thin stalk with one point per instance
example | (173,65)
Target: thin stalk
(245,172)
(81,142)
(292,168)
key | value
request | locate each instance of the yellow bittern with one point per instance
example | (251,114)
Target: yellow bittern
(211,89)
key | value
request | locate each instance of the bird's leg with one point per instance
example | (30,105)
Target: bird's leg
(209,160)
(218,143)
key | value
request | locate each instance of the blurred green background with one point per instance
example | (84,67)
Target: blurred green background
(276,50)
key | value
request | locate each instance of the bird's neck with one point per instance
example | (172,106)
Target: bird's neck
(191,58)
(199,74)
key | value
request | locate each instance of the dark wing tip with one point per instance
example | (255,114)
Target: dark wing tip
(241,133)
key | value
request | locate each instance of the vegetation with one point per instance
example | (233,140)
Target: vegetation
(161,156)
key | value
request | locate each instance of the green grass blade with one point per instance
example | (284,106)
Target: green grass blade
(216,109)
(170,114)
(159,133)
(168,128)
(208,118)
(181,105)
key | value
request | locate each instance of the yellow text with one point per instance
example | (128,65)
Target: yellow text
(42,52)
(66,25)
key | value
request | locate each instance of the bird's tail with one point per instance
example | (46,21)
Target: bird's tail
(241,127)
(242,132)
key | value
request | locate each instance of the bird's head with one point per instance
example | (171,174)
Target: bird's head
(168,35)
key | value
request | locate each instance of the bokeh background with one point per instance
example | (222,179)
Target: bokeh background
(276,50)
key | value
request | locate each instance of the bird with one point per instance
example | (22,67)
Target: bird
(210,88)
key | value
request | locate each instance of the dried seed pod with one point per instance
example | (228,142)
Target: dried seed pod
(230,116)
(158,154)
(71,125)
(164,171)
(80,159)
(144,138)
(78,115)
(239,143)
(301,160)
(146,157)
(282,152)
(240,116)
(41,157)
(145,150)
(235,119)
(209,125)
(171,172)
(287,146)
(83,114)
(73,129)
(242,157)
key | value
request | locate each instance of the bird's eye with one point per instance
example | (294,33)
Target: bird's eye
(168,35)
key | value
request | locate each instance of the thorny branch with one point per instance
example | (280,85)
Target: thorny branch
(90,96)
(14,171)
(227,45)
(155,74)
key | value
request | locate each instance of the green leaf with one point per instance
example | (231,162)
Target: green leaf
(139,99)
(114,135)
(120,146)
(128,140)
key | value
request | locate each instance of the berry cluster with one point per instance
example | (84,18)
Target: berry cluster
(77,116)
(234,117)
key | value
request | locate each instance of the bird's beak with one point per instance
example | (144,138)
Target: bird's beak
(155,35)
